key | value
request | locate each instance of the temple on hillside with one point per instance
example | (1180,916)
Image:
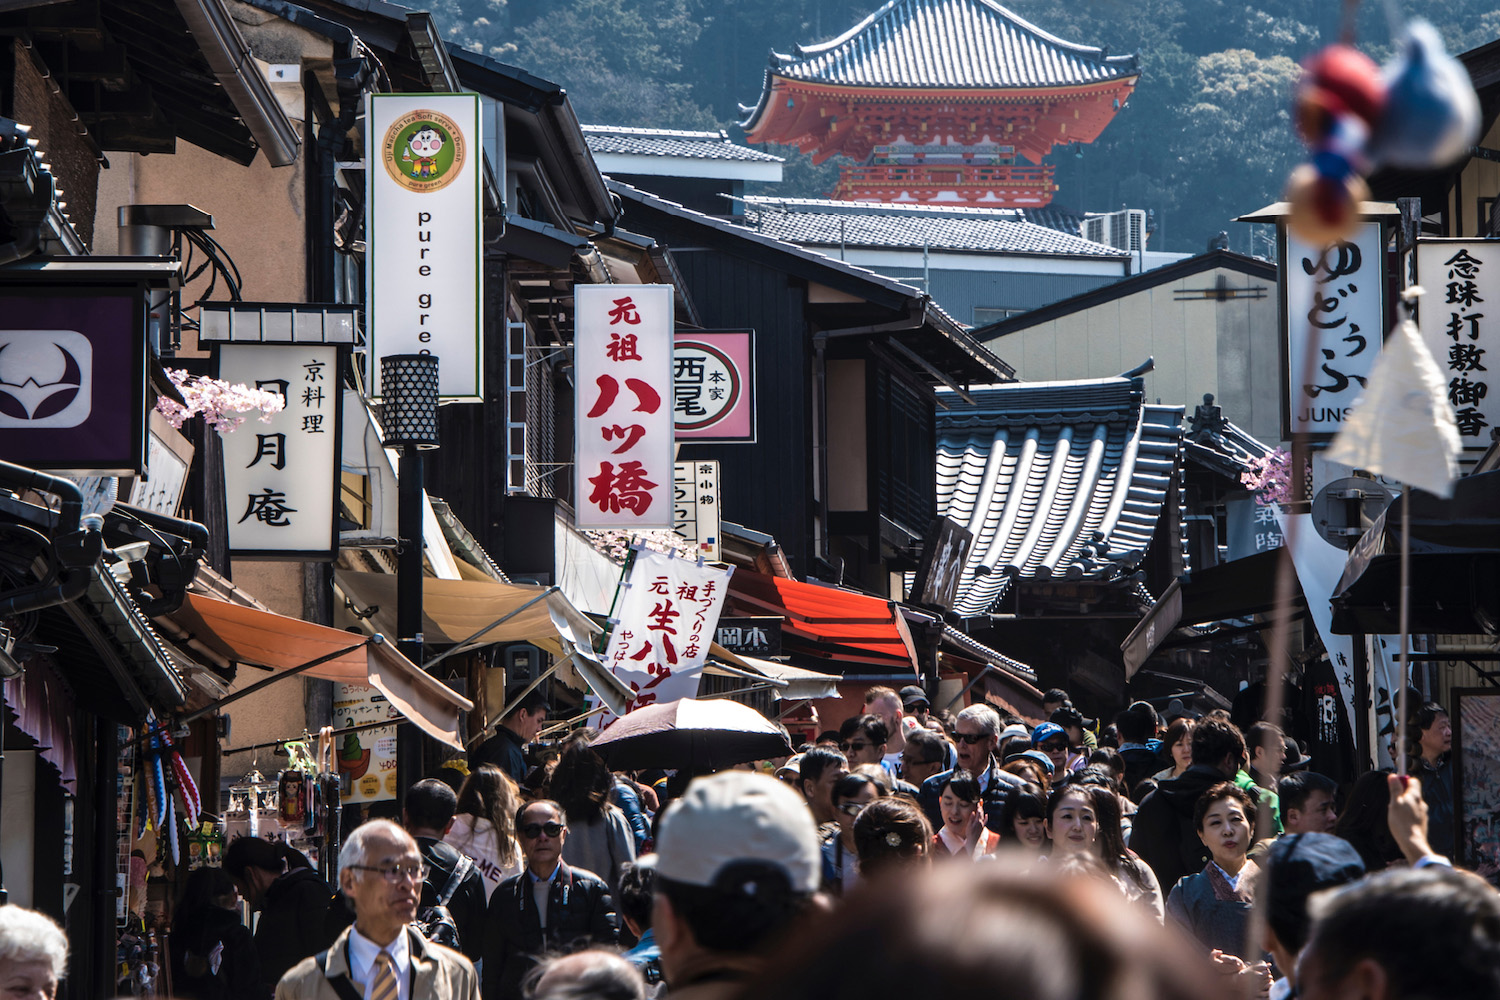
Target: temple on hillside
(952,101)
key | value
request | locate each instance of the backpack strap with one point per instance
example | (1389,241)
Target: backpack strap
(460,872)
(340,983)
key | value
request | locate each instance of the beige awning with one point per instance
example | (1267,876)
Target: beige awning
(800,684)
(249,635)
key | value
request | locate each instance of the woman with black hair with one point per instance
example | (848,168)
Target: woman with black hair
(1023,821)
(1429,756)
(213,954)
(600,839)
(892,835)
(1083,817)
(962,835)
(294,904)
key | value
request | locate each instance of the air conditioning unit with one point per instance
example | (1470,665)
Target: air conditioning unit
(1124,230)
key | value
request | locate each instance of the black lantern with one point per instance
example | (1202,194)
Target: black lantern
(409,400)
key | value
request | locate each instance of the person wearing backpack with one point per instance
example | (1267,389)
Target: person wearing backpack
(453,904)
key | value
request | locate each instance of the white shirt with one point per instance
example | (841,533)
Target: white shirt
(362,952)
(1233,880)
(541,891)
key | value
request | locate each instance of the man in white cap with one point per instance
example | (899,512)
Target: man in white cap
(737,862)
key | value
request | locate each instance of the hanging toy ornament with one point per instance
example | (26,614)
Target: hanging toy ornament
(1432,112)
(1340,100)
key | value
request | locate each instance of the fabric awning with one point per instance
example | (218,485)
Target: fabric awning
(265,639)
(831,623)
(800,684)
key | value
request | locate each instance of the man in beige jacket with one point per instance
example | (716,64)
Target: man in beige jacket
(382,957)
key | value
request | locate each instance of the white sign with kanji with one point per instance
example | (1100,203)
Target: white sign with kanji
(1460,276)
(696,499)
(622,356)
(667,620)
(281,476)
(1335,296)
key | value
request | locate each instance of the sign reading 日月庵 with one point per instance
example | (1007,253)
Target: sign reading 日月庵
(423,201)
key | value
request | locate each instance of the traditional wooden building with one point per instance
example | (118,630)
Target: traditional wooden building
(941,100)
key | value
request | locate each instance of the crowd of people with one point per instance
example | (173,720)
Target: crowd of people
(906,851)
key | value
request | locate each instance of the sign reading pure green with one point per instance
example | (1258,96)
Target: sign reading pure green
(422,230)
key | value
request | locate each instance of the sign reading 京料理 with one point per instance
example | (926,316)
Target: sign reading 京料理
(1460,276)
(667,621)
(423,205)
(622,357)
(281,476)
(1335,296)
(695,494)
(713,386)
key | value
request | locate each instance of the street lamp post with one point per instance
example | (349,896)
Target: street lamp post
(409,413)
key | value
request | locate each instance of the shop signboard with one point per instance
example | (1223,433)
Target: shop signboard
(281,477)
(1336,297)
(365,758)
(695,494)
(756,636)
(713,386)
(73,378)
(622,356)
(1460,276)
(666,624)
(424,215)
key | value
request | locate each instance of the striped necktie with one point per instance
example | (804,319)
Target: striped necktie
(383,979)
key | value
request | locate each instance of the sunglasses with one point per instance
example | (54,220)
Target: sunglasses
(971,738)
(531,831)
(1051,747)
(846,747)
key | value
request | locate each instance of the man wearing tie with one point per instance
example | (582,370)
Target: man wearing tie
(381,957)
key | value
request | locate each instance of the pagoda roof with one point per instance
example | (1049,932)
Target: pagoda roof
(948,44)
(623,141)
(823,222)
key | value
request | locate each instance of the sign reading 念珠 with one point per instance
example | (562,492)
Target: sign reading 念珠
(422,228)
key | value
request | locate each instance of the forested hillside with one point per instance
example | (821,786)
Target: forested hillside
(1205,137)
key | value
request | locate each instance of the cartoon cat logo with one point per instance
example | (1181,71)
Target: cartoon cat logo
(424,151)
(46,379)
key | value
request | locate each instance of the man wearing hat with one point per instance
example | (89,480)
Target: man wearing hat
(914,702)
(1297,866)
(737,861)
(507,748)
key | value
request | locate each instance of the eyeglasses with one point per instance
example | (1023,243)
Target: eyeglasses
(852,808)
(531,831)
(971,738)
(851,745)
(1051,747)
(416,872)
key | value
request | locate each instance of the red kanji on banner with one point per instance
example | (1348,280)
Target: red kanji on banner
(625,311)
(628,489)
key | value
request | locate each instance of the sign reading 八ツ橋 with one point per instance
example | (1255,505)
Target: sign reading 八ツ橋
(423,204)
(281,476)
(1460,276)
(622,354)
(1336,297)
(666,622)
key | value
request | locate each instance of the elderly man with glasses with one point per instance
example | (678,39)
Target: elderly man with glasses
(976,733)
(381,957)
(548,909)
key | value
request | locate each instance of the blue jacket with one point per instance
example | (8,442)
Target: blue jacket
(629,802)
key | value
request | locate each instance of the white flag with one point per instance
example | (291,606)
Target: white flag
(1403,426)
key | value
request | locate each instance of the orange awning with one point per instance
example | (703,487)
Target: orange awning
(835,624)
(249,635)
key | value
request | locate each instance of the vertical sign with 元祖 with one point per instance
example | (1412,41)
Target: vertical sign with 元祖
(1335,296)
(713,383)
(424,213)
(281,476)
(622,356)
(696,496)
(667,621)
(1460,276)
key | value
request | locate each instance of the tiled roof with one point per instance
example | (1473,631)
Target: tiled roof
(1059,479)
(1228,452)
(950,43)
(1064,220)
(669,142)
(820,222)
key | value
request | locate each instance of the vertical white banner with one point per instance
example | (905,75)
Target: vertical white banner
(666,623)
(696,498)
(281,476)
(622,356)
(1336,297)
(424,216)
(1460,276)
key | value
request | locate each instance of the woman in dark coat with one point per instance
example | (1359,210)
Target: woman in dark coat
(213,956)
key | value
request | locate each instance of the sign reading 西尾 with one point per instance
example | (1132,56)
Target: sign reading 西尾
(1460,276)
(695,493)
(757,636)
(1336,297)
(667,621)
(73,379)
(622,354)
(713,386)
(423,204)
(281,477)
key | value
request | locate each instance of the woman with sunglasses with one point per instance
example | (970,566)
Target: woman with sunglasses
(851,793)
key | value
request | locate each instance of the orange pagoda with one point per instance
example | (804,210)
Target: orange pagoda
(947,101)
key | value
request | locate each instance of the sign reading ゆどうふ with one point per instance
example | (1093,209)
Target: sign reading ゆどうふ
(423,224)
(623,411)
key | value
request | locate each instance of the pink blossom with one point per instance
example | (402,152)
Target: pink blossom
(217,401)
(1270,477)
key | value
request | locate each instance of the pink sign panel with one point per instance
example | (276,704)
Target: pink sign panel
(713,386)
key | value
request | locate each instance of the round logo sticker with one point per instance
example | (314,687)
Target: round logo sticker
(423,151)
